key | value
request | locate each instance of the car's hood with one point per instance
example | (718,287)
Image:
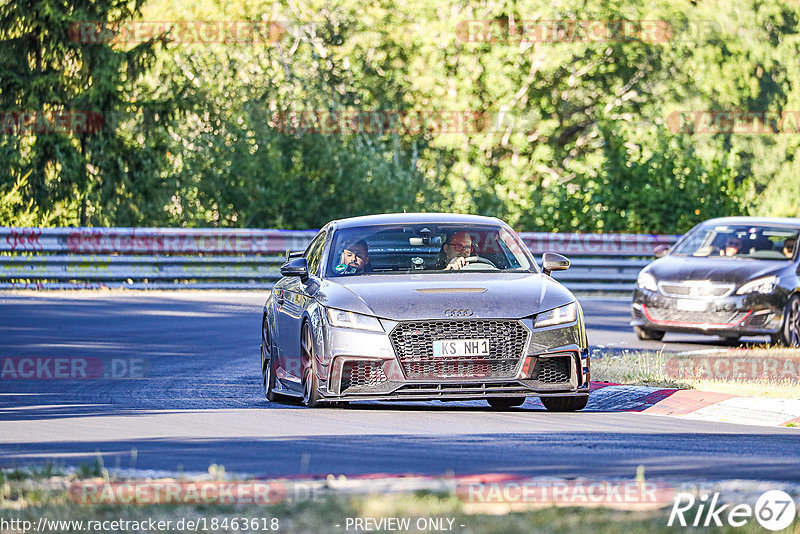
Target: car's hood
(737,271)
(430,296)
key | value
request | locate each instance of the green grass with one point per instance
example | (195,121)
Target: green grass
(650,368)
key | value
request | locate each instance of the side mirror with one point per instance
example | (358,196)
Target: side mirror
(296,267)
(554,262)
(660,251)
(294,254)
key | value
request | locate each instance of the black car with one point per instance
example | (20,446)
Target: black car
(731,277)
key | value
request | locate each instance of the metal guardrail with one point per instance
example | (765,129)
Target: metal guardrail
(181,258)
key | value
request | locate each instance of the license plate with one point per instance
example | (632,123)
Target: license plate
(692,305)
(460,347)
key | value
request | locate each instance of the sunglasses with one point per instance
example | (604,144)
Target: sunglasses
(458,247)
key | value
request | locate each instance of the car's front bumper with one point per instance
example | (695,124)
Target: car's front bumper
(735,315)
(364,366)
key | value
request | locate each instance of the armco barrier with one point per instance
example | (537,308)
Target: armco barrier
(181,258)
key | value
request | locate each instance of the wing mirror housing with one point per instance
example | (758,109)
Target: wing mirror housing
(554,262)
(661,250)
(296,267)
(294,254)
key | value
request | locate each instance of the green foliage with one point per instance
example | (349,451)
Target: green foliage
(192,135)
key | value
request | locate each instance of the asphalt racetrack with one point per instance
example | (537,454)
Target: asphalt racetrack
(178,388)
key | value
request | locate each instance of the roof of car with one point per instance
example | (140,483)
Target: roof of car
(780,221)
(413,218)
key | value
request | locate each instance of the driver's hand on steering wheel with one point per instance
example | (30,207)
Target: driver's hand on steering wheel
(456,263)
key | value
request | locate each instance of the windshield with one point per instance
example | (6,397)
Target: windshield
(426,248)
(756,242)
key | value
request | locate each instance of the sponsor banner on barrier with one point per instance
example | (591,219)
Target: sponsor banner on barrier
(72,368)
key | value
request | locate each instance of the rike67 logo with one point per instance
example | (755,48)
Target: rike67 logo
(774,510)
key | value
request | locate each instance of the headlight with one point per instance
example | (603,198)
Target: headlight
(647,281)
(564,314)
(762,285)
(346,319)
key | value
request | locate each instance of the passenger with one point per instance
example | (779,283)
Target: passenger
(788,247)
(354,259)
(456,248)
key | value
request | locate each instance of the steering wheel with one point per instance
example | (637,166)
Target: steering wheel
(476,261)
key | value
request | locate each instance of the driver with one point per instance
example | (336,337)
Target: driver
(733,246)
(354,259)
(456,248)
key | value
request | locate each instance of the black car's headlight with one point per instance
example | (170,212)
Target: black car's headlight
(356,321)
(647,281)
(560,315)
(762,285)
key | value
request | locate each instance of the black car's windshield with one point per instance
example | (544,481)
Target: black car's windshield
(734,241)
(426,248)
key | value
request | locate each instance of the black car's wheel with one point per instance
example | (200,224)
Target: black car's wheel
(789,334)
(565,404)
(311,396)
(267,367)
(648,334)
(505,402)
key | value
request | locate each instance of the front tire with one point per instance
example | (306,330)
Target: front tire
(500,403)
(311,396)
(789,334)
(267,366)
(565,404)
(268,380)
(648,334)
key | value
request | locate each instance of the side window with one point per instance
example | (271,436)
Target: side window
(314,253)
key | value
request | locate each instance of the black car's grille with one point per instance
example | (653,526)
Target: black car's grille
(413,344)
(552,370)
(362,374)
(731,317)
(704,290)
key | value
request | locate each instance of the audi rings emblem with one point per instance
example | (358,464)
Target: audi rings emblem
(458,312)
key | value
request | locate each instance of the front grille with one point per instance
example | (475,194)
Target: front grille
(695,290)
(552,370)
(730,317)
(362,374)
(413,345)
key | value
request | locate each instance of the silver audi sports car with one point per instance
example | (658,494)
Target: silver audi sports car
(423,306)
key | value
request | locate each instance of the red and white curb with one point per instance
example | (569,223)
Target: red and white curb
(697,405)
